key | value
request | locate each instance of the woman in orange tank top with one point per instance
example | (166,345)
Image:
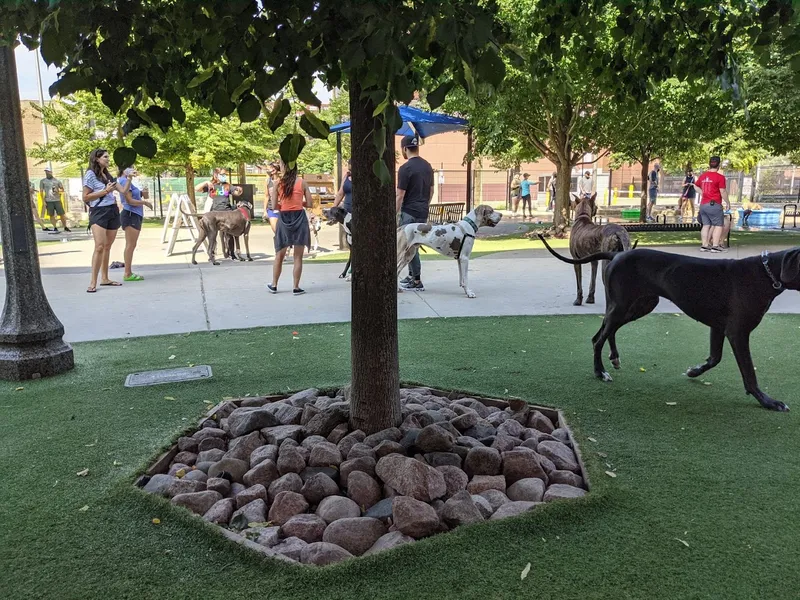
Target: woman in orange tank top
(291,196)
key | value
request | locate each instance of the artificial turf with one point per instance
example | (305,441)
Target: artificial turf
(712,470)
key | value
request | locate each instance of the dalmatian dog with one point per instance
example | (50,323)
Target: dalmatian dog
(452,239)
(337,214)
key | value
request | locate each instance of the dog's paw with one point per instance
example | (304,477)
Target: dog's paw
(349,278)
(249,259)
(470,294)
(194,262)
(615,362)
(215,263)
(241,259)
(590,300)
(695,371)
(578,302)
(604,376)
(399,290)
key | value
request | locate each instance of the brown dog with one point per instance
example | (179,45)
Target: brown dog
(233,223)
(586,238)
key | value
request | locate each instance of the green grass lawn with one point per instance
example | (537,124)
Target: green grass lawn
(713,470)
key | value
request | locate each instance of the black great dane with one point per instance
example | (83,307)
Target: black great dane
(730,296)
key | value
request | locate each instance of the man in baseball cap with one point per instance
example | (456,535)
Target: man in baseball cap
(414,193)
(51,189)
(711,185)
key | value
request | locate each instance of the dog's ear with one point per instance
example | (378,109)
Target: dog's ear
(790,269)
(480,211)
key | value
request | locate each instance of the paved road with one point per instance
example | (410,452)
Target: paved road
(179,297)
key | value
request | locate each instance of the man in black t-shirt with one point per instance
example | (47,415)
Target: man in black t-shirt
(414,193)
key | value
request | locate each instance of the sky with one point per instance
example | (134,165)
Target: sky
(29,89)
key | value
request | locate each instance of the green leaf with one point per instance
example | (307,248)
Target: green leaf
(280,110)
(124,157)
(144,146)
(469,79)
(202,76)
(50,45)
(160,116)
(222,104)
(314,126)
(381,107)
(242,88)
(302,87)
(491,68)
(249,108)
(381,171)
(290,148)
(69,84)
(436,97)
(112,99)
(379,140)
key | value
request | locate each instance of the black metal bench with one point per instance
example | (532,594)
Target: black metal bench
(446,212)
(662,225)
(776,198)
(790,210)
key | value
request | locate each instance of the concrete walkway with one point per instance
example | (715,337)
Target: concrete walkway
(179,297)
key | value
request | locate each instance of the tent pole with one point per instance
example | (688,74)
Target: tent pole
(338,161)
(469,170)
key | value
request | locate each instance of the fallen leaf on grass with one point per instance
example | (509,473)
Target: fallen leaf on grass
(19,389)
(171,357)
(191,365)
(83,508)
(168,398)
(672,403)
(83,473)
(180,473)
(171,347)
(591,439)
(90,445)
(116,463)
(525,571)
(642,369)
(706,383)
(106,390)
(602,455)
(684,542)
(156,521)
(611,473)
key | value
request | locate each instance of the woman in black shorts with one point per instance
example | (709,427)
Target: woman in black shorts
(98,192)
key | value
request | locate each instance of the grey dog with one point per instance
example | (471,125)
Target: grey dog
(730,296)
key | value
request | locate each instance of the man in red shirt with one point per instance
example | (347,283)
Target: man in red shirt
(711,186)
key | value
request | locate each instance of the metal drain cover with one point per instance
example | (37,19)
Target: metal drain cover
(168,376)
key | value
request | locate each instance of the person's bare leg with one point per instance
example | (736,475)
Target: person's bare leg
(298,264)
(99,235)
(705,234)
(111,235)
(53,221)
(131,238)
(273,222)
(64,221)
(277,266)
(716,234)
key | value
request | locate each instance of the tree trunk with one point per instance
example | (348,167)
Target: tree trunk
(645,162)
(375,400)
(190,184)
(563,182)
(242,173)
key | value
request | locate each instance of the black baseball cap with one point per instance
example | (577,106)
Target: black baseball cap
(713,162)
(409,141)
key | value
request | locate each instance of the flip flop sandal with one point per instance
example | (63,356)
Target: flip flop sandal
(133,277)
(91,290)
(112,284)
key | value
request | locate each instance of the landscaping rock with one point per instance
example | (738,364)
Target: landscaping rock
(197,502)
(323,423)
(176,468)
(264,473)
(348,441)
(522,464)
(204,433)
(359,450)
(393,434)
(537,420)
(309,412)
(566,477)
(409,438)
(411,477)
(387,447)
(285,413)
(511,428)
(210,443)
(259,455)
(483,461)
(290,461)
(468,442)
(323,553)
(308,528)
(235,467)
(267,536)
(302,398)
(363,490)
(356,535)
(168,486)
(244,420)
(291,548)
(438,459)
(237,488)
(455,479)
(414,518)
(220,513)
(483,505)
(285,506)
(218,484)
(481,483)
(559,491)
(393,539)
(253,512)
(547,464)
(562,456)
(331,472)
(503,442)
(364,464)
(276,435)
(512,509)
(495,498)
(465,421)
(562,435)
(338,433)
(382,510)
(188,444)
(475,405)
(528,490)
(325,454)
(317,487)
(251,494)
(460,510)
(498,418)
(312,440)
(196,475)
(212,456)
(434,438)
(290,482)
(334,508)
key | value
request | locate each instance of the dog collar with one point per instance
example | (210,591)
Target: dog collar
(472,224)
(765,261)
(245,212)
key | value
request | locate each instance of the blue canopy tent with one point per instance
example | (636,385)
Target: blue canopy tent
(416,122)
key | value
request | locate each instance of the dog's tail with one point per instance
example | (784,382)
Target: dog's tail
(190,214)
(580,261)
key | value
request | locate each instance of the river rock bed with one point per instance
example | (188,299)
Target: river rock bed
(287,477)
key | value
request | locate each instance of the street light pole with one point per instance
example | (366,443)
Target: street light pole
(41,103)
(31,344)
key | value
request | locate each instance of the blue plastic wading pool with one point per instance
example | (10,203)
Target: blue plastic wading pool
(769,218)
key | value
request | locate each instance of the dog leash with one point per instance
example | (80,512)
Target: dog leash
(765,261)
(466,235)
